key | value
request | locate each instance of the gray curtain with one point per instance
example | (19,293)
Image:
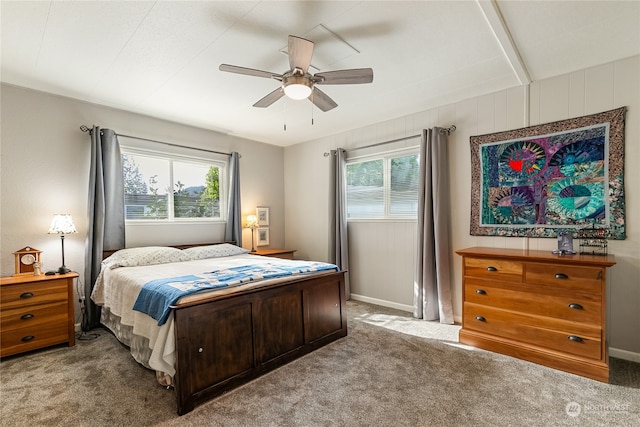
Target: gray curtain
(106,212)
(339,244)
(432,285)
(233,230)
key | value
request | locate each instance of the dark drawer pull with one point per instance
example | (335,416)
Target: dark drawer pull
(26,295)
(481,319)
(27,338)
(26,316)
(491,268)
(561,276)
(575,306)
(575,338)
(481,292)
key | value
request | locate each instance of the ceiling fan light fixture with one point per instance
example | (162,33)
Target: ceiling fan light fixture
(297,87)
(297,83)
(297,91)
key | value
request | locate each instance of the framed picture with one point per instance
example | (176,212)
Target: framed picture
(545,179)
(263,236)
(263,216)
(565,243)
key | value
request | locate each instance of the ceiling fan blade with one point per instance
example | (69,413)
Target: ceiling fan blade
(322,100)
(270,98)
(249,71)
(300,52)
(345,77)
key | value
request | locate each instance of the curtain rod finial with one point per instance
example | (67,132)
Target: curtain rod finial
(448,130)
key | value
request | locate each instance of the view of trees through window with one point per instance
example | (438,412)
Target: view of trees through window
(384,187)
(164,188)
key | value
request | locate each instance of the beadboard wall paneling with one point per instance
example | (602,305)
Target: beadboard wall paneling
(576,94)
(391,246)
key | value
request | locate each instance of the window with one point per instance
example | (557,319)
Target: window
(168,187)
(383,186)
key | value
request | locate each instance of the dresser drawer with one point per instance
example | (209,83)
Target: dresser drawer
(584,308)
(33,337)
(33,293)
(495,269)
(576,339)
(574,278)
(28,316)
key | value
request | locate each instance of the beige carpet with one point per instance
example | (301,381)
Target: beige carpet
(391,370)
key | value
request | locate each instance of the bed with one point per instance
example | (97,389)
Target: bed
(228,317)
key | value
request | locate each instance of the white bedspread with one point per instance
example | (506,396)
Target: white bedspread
(118,288)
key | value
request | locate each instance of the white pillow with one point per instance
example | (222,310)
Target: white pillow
(214,251)
(149,255)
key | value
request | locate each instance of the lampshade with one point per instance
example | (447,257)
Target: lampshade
(299,90)
(62,224)
(252,221)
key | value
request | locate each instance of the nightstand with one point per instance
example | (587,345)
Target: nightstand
(275,253)
(36,312)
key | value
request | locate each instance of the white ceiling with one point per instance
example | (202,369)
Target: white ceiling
(161,58)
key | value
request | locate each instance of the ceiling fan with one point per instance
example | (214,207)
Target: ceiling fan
(298,83)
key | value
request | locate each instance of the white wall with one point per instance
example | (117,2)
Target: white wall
(377,250)
(44,169)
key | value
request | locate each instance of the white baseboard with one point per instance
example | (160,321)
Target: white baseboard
(624,354)
(397,306)
(383,303)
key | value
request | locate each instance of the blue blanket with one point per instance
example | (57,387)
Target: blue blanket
(157,296)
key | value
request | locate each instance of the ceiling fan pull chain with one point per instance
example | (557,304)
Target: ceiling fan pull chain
(284,114)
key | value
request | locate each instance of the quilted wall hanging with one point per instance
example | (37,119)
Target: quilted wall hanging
(542,179)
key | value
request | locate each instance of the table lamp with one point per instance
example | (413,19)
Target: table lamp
(252,223)
(62,224)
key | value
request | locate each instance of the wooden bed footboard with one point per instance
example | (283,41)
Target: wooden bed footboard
(228,341)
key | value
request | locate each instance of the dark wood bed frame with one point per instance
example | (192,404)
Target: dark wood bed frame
(228,340)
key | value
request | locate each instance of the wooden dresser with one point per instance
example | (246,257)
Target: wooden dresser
(36,312)
(537,306)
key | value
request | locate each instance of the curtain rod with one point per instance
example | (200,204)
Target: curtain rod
(84,128)
(446,130)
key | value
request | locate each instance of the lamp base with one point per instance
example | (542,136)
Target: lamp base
(64,270)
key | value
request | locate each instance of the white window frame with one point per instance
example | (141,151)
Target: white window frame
(223,166)
(386,166)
